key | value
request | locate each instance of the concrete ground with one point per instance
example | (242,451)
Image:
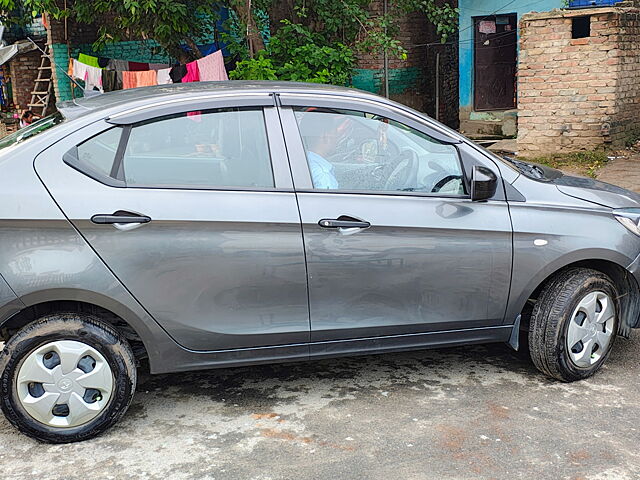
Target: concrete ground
(479,412)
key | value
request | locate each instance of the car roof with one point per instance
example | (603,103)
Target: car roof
(80,106)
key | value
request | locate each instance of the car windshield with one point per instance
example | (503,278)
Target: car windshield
(32,130)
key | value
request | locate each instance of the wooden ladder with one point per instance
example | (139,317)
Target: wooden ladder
(42,93)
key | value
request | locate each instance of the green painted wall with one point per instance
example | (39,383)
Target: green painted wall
(135,51)
(400,79)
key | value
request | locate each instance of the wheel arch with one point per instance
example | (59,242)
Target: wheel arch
(625,283)
(115,314)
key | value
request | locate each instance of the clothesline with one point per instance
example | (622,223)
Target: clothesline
(106,75)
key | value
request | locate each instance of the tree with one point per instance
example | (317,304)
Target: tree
(177,25)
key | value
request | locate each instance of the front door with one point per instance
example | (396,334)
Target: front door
(495,53)
(196,218)
(394,245)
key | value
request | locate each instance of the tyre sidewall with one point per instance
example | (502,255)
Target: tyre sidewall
(67,327)
(570,369)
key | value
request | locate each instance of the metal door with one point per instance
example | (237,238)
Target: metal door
(217,268)
(495,53)
(419,263)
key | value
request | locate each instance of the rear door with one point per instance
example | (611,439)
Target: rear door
(192,208)
(394,244)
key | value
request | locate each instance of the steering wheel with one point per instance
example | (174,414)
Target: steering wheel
(404,173)
(442,182)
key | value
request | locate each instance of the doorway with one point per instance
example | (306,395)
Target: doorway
(495,62)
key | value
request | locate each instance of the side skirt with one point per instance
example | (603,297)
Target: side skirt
(185,360)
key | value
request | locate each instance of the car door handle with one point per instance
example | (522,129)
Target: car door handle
(343,222)
(103,219)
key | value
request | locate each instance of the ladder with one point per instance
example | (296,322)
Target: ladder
(42,93)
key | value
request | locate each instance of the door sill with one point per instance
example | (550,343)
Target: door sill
(413,341)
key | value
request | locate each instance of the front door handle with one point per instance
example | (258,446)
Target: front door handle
(103,219)
(343,222)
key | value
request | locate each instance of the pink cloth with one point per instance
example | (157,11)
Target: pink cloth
(193,74)
(211,67)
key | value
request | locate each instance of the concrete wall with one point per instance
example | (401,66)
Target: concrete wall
(480,8)
(583,93)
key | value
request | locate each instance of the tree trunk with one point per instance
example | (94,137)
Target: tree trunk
(245,14)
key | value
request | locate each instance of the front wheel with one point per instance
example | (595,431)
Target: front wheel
(66,378)
(574,324)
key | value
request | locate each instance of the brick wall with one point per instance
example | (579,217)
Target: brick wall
(413,81)
(23,70)
(578,93)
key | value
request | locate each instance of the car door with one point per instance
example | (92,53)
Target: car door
(393,242)
(191,206)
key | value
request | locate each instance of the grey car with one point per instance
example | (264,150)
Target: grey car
(220,224)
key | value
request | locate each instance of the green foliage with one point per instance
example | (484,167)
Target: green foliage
(294,53)
(316,42)
(171,23)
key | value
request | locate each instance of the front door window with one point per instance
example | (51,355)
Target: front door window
(356,151)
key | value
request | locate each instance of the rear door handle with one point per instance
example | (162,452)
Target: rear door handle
(342,222)
(103,219)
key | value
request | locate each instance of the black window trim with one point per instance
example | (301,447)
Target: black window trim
(72,158)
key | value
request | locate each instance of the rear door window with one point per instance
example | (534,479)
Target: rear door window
(208,149)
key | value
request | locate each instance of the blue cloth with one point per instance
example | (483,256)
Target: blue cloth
(321,172)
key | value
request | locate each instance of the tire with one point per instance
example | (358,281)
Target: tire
(561,315)
(47,350)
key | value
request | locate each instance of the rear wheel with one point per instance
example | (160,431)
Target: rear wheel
(574,324)
(66,378)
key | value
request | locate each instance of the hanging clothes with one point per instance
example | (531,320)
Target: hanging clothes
(211,67)
(139,79)
(158,66)
(193,75)
(110,81)
(164,76)
(119,66)
(88,60)
(177,73)
(78,69)
(93,79)
(103,62)
(138,67)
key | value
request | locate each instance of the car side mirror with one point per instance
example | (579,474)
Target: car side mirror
(483,183)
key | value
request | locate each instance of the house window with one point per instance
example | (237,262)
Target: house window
(580,27)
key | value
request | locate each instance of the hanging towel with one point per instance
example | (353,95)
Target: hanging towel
(88,60)
(138,67)
(79,69)
(211,67)
(177,73)
(93,79)
(193,75)
(164,76)
(110,80)
(139,79)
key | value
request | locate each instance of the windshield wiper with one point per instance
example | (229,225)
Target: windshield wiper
(524,167)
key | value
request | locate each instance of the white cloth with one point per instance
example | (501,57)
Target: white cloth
(93,79)
(163,76)
(92,76)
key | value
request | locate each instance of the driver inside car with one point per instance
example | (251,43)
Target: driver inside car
(322,133)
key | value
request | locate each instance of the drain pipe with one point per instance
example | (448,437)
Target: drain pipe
(386,56)
(438,86)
